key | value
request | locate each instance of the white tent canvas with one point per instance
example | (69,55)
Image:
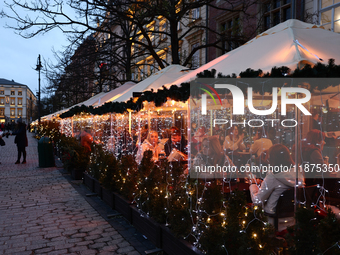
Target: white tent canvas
(292,43)
(113,94)
(155,81)
(91,100)
(88,102)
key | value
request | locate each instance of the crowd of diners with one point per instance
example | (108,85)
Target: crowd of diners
(266,188)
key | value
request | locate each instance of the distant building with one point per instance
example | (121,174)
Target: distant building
(16,101)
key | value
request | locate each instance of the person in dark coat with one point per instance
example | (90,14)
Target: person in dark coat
(176,141)
(21,140)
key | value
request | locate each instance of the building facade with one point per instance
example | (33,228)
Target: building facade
(325,13)
(16,101)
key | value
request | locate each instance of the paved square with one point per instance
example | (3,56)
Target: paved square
(42,213)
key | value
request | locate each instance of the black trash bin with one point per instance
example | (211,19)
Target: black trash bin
(45,151)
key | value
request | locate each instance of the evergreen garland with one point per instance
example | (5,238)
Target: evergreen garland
(182,93)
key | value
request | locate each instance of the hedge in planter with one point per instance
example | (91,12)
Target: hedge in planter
(74,156)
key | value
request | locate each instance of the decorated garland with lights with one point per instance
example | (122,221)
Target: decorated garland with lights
(182,93)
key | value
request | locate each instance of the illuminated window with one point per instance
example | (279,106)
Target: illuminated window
(12,92)
(19,93)
(132,48)
(12,112)
(19,112)
(2,101)
(19,101)
(330,15)
(2,112)
(2,92)
(12,101)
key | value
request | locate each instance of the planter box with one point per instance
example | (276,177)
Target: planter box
(147,226)
(158,234)
(173,246)
(108,197)
(89,182)
(123,206)
(97,188)
(77,174)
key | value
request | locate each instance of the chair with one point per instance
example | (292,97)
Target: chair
(285,204)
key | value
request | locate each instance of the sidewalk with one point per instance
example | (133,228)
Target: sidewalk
(42,211)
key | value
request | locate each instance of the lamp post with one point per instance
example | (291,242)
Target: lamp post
(39,66)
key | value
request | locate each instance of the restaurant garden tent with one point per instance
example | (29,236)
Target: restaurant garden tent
(155,81)
(113,94)
(292,43)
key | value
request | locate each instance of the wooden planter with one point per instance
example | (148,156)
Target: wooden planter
(147,226)
(123,206)
(97,188)
(173,246)
(77,174)
(89,182)
(108,197)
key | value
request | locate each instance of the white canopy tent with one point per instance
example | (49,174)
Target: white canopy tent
(292,43)
(88,102)
(155,81)
(113,94)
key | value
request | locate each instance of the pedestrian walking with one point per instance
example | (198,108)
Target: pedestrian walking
(21,140)
(2,142)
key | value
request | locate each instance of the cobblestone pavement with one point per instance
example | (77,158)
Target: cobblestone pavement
(43,212)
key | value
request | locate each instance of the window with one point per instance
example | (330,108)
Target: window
(2,92)
(162,29)
(2,101)
(2,112)
(12,112)
(19,112)
(12,92)
(12,101)
(195,14)
(330,15)
(230,31)
(152,35)
(132,74)
(19,93)
(19,101)
(132,49)
(195,60)
(275,12)
(151,68)
(141,72)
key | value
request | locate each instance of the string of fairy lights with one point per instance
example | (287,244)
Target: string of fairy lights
(117,133)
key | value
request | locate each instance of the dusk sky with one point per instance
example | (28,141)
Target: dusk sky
(18,56)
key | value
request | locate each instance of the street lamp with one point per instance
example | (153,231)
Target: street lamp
(39,66)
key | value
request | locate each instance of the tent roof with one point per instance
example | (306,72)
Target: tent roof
(87,102)
(155,81)
(291,43)
(91,100)
(113,94)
